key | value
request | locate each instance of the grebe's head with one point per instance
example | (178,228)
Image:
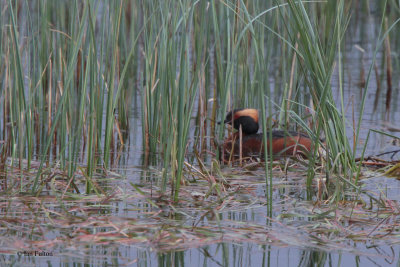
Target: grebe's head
(247,117)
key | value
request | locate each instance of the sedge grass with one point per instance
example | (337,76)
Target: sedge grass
(70,77)
(80,65)
(168,101)
(317,53)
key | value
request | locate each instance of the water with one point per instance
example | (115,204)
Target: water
(231,229)
(131,231)
(217,255)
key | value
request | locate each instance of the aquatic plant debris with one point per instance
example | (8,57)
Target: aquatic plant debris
(146,218)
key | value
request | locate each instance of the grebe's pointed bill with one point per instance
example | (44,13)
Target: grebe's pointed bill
(228,117)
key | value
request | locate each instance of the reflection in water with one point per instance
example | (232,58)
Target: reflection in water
(223,254)
(331,242)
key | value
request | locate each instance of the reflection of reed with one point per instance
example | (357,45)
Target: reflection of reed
(388,71)
(378,86)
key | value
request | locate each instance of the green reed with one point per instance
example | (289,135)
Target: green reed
(69,72)
(316,53)
(171,84)
(57,111)
(383,34)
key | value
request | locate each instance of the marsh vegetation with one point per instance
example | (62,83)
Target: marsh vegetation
(110,147)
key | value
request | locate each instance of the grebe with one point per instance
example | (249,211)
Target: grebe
(284,143)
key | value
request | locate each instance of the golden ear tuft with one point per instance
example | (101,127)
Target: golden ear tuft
(249,112)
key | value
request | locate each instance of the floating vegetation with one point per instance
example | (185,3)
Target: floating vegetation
(109,134)
(209,211)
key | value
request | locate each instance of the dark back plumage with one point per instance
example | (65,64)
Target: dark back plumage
(285,143)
